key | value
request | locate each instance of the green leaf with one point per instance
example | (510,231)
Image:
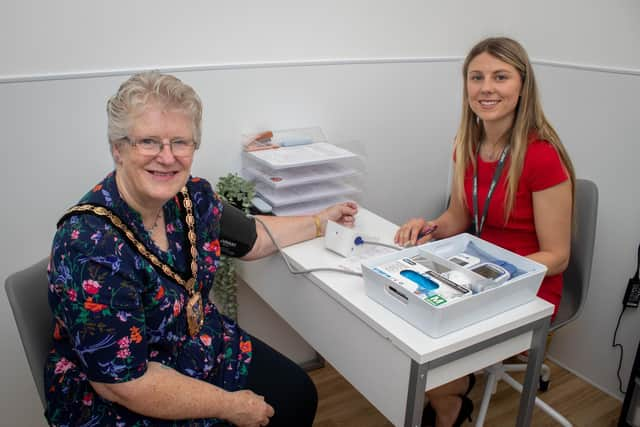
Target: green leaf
(239,192)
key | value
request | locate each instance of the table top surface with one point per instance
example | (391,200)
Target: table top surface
(349,291)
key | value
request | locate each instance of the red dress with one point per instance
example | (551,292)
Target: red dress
(542,169)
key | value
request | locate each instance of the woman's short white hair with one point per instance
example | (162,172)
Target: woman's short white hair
(151,87)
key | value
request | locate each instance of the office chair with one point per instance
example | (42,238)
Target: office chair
(574,293)
(27,294)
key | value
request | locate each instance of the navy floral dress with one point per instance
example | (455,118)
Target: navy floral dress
(114,312)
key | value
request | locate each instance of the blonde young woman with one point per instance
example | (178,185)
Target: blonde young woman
(513,185)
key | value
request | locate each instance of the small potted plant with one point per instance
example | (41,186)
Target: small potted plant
(239,192)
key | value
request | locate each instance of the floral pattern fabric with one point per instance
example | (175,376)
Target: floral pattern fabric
(114,312)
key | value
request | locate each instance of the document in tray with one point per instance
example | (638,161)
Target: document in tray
(298,176)
(300,155)
(303,193)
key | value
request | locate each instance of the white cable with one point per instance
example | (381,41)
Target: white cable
(286,261)
(386,245)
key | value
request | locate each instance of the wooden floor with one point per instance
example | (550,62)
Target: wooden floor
(584,405)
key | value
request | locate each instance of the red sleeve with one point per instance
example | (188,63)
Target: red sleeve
(543,167)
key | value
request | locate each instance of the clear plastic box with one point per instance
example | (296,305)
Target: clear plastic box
(438,316)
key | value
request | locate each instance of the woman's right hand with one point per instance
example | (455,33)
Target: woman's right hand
(249,409)
(416,231)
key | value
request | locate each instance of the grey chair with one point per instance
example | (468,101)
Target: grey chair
(27,294)
(574,293)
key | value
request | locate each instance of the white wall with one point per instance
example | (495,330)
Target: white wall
(75,36)
(62,60)
(596,115)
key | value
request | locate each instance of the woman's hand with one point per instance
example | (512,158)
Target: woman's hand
(416,231)
(249,409)
(342,213)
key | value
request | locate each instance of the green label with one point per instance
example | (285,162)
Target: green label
(436,300)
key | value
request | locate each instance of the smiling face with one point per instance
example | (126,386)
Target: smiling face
(493,90)
(147,182)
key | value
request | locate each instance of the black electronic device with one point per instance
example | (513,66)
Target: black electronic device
(464,260)
(632,294)
(491,271)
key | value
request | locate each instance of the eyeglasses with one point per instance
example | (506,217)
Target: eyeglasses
(153,147)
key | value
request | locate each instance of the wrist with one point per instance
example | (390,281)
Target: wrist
(318,223)
(229,404)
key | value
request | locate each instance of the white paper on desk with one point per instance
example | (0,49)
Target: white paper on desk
(363,252)
(300,155)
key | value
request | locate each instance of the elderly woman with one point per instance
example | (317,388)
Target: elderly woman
(136,341)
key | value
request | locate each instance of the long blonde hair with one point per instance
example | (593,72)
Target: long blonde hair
(529,118)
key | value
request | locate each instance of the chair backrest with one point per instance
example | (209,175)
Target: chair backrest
(27,291)
(578,274)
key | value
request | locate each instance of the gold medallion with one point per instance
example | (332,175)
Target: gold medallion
(195,313)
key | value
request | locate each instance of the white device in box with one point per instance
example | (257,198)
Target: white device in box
(437,317)
(464,260)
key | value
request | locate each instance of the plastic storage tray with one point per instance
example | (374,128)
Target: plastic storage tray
(435,317)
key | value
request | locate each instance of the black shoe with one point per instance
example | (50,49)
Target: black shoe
(428,416)
(465,411)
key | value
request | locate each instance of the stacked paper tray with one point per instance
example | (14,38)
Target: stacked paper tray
(299,155)
(304,177)
(303,193)
(292,177)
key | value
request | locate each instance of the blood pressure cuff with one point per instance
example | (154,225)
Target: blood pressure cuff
(237,231)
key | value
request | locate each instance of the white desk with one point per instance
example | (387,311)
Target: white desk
(380,354)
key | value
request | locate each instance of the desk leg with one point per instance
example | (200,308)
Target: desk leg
(531,381)
(415,394)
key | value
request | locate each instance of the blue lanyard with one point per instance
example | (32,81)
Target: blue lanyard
(496,176)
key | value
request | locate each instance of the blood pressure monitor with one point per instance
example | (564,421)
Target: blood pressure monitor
(491,271)
(464,260)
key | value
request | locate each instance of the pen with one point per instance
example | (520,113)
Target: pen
(428,231)
(451,283)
